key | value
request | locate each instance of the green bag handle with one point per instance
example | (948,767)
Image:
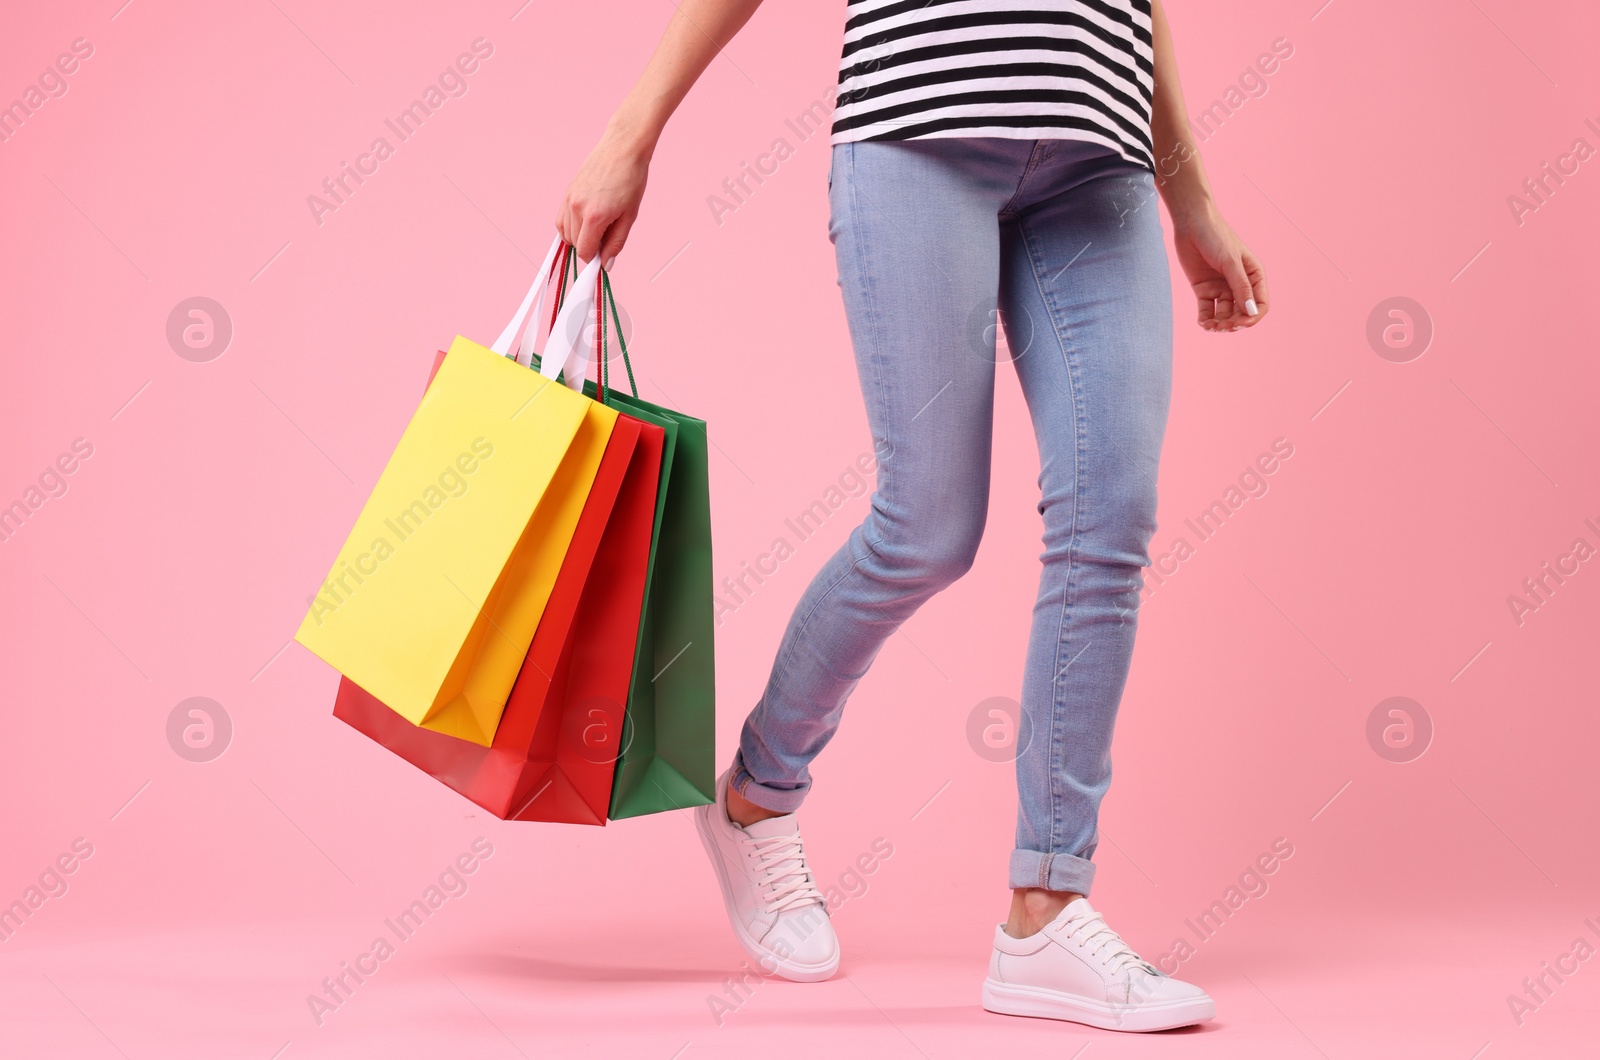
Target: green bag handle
(605,298)
(608,299)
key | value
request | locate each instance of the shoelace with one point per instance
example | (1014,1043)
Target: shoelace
(785,882)
(1095,934)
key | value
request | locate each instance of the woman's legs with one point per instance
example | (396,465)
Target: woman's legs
(918,247)
(1087,303)
(929,234)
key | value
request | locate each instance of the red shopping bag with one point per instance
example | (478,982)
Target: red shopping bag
(576,738)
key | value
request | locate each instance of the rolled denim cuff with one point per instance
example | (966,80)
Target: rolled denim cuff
(1053,872)
(779,800)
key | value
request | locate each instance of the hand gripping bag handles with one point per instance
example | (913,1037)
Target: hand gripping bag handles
(435,597)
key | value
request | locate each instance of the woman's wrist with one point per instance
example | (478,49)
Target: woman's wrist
(634,130)
(1191,210)
(1187,194)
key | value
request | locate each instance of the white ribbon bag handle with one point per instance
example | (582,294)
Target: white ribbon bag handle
(567,352)
(533,300)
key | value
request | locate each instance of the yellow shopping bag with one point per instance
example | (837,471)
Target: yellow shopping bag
(434,598)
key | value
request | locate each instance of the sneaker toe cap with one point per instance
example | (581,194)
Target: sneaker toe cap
(805,939)
(1163,989)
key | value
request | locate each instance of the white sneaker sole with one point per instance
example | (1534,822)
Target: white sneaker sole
(1012,999)
(765,959)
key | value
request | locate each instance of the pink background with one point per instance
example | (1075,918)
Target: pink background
(1377,164)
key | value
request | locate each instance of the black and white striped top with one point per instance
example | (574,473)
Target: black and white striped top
(1049,69)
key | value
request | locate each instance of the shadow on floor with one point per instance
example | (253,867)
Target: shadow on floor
(519,966)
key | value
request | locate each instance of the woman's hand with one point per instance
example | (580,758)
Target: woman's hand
(603,199)
(1228,281)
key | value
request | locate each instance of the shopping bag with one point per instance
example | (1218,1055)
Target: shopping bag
(668,757)
(434,599)
(553,754)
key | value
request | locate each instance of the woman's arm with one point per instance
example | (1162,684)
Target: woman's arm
(1227,279)
(603,199)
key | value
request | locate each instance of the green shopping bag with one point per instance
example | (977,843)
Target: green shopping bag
(669,734)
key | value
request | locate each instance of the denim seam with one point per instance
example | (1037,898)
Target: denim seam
(743,771)
(1057,707)
(874,355)
(1035,159)
(744,765)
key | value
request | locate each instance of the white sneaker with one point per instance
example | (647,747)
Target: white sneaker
(773,902)
(1076,968)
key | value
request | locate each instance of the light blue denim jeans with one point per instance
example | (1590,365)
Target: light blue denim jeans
(932,235)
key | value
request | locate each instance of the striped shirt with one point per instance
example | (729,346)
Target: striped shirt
(1049,69)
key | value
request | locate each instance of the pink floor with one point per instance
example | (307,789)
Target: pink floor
(1360,987)
(519,964)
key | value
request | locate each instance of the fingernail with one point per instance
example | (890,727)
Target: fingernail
(1250,306)
(612,260)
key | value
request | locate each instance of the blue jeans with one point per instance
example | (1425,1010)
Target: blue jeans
(932,235)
